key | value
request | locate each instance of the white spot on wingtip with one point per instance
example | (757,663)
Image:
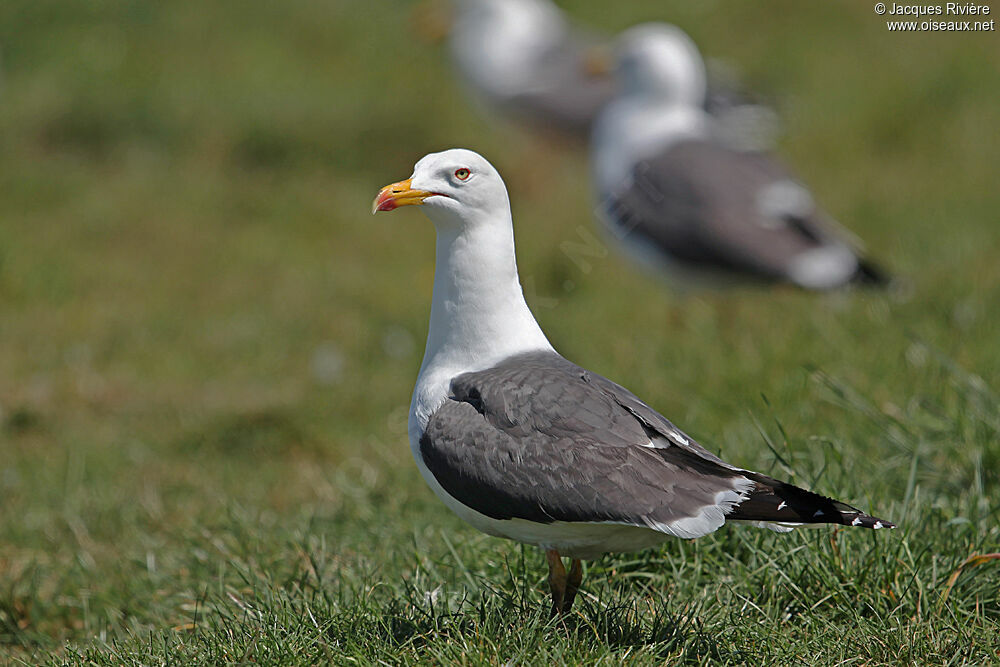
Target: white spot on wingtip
(818,513)
(857,521)
(878,524)
(824,267)
(782,505)
(783,199)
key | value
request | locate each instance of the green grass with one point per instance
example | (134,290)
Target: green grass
(202,332)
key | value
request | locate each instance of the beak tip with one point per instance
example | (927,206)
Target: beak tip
(383,202)
(395,195)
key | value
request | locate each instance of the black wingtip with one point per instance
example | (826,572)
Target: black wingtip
(863,520)
(780,502)
(870,274)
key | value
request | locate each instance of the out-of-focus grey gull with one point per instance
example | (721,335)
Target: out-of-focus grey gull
(523,58)
(522,443)
(679,196)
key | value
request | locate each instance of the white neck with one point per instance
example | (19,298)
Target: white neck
(638,127)
(478,314)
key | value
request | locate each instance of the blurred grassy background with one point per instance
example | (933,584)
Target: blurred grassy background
(207,344)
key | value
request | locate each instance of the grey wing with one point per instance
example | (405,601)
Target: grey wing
(769,500)
(712,207)
(541,439)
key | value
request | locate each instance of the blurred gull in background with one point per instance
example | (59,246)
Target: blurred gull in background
(680,194)
(523,58)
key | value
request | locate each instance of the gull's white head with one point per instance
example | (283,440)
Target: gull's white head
(659,60)
(497,44)
(511,10)
(660,103)
(456,188)
(509,18)
(478,314)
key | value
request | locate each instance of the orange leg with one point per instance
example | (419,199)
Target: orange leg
(572,584)
(557,580)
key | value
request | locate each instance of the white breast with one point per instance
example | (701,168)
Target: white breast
(631,130)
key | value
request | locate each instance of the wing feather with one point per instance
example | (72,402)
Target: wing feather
(541,439)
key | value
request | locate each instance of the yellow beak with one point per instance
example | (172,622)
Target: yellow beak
(398,194)
(598,62)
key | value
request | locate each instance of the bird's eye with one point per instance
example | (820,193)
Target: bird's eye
(462,174)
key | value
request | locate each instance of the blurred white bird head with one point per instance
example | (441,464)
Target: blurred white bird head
(496,44)
(659,60)
(539,13)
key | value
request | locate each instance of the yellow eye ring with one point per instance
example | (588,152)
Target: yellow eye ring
(462,174)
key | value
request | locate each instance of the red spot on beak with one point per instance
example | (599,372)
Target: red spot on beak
(384,201)
(399,194)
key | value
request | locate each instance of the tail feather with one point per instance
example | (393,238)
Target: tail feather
(782,503)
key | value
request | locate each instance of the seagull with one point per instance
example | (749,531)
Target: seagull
(681,197)
(523,58)
(526,445)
